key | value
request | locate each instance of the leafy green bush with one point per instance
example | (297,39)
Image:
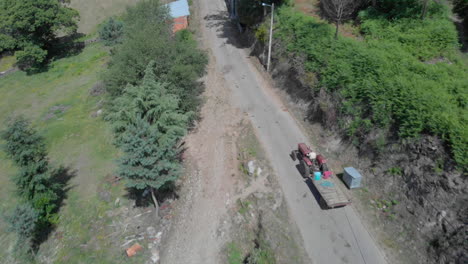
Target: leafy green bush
(31,26)
(30,56)
(261,33)
(382,81)
(111,32)
(393,10)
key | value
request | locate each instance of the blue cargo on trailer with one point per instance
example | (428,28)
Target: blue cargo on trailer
(352,177)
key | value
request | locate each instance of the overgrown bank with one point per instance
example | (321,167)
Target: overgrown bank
(398,96)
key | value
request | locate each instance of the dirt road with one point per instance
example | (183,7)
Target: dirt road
(332,236)
(235,89)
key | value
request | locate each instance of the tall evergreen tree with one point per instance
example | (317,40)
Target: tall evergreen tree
(27,150)
(33,181)
(148,123)
(23,222)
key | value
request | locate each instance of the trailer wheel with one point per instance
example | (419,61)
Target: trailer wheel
(294,155)
(305,169)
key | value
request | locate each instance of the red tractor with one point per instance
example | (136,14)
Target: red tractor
(330,195)
(310,161)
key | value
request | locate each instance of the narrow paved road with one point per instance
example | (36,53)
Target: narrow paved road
(331,236)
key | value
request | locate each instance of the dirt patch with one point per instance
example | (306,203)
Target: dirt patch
(56,111)
(211,167)
(261,229)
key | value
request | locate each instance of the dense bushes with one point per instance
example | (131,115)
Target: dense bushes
(152,78)
(382,81)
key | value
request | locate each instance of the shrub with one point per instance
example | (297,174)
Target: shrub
(111,32)
(261,33)
(30,56)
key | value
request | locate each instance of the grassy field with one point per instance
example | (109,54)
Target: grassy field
(7,62)
(60,106)
(93,12)
(74,138)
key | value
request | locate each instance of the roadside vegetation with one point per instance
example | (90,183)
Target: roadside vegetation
(393,84)
(404,79)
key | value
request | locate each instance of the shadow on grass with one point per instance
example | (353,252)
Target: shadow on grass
(60,179)
(62,47)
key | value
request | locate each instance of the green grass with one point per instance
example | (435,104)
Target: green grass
(234,254)
(75,139)
(7,62)
(94,12)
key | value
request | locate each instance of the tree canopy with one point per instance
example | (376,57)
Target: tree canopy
(30,26)
(148,36)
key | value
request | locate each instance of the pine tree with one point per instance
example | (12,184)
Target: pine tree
(149,123)
(23,220)
(33,181)
(27,150)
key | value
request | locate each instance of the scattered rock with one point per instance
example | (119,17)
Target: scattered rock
(155,256)
(98,89)
(259,171)
(158,236)
(56,110)
(441,216)
(151,231)
(251,167)
(96,113)
(105,196)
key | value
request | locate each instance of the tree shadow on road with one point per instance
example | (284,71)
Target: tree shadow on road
(226,29)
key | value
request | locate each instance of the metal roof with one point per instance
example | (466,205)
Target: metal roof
(179,8)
